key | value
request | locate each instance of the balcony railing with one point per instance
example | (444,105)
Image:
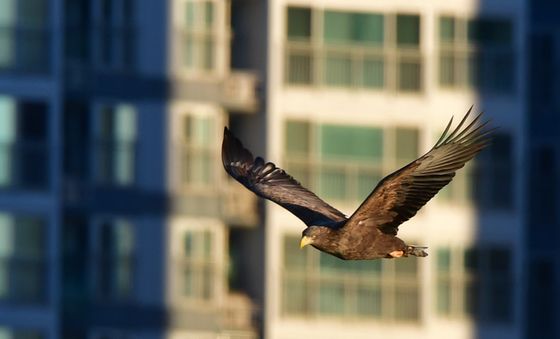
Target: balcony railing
(374,68)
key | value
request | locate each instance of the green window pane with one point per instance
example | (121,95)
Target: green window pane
(406,268)
(408,30)
(407,303)
(368,299)
(208,13)
(299,23)
(359,143)
(447,69)
(443,296)
(333,183)
(443,260)
(32,13)
(294,258)
(297,137)
(338,70)
(407,144)
(410,79)
(367,179)
(331,298)
(8,12)
(296,296)
(300,67)
(347,27)
(374,72)
(8,132)
(337,27)
(190,14)
(446,29)
(7,48)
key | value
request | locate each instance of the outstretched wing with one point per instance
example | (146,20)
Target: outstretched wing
(401,194)
(273,183)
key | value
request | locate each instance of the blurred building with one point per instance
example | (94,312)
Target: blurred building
(117,220)
(543,223)
(355,89)
(114,212)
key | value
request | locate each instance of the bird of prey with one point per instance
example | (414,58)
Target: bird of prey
(370,232)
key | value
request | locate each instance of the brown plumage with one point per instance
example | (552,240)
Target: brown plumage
(371,231)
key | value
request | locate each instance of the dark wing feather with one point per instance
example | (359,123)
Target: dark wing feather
(401,194)
(273,183)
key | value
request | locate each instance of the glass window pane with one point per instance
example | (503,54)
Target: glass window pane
(208,13)
(410,75)
(347,27)
(299,23)
(332,183)
(331,298)
(360,143)
(407,145)
(447,69)
(32,13)
(407,303)
(296,296)
(443,296)
(300,67)
(190,15)
(446,29)
(8,12)
(374,72)
(125,122)
(408,30)
(338,70)
(294,258)
(368,299)
(7,48)
(443,260)
(297,138)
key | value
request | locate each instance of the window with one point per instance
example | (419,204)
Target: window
(197,265)
(350,170)
(315,283)
(23,144)
(487,180)
(20,333)
(199,154)
(476,53)
(116,260)
(22,259)
(116,145)
(115,34)
(475,283)
(199,35)
(350,49)
(24,36)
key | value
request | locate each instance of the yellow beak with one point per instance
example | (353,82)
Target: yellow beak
(305,241)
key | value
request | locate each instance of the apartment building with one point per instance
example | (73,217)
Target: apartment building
(353,91)
(542,266)
(116,218)
(114,214)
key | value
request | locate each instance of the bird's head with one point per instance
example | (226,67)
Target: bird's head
(313,235)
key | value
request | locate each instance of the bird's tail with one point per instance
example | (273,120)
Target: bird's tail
(417,251)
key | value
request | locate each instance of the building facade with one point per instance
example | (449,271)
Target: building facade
(353,91)
(117,219)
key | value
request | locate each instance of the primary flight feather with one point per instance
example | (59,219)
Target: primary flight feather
(371,231)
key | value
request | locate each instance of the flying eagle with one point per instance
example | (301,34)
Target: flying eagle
(370,232)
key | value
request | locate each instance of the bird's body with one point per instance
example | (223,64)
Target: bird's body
(370,232)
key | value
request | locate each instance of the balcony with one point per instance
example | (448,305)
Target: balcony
(367,68)
(236,91)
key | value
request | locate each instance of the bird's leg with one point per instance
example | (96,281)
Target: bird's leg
(416,251)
